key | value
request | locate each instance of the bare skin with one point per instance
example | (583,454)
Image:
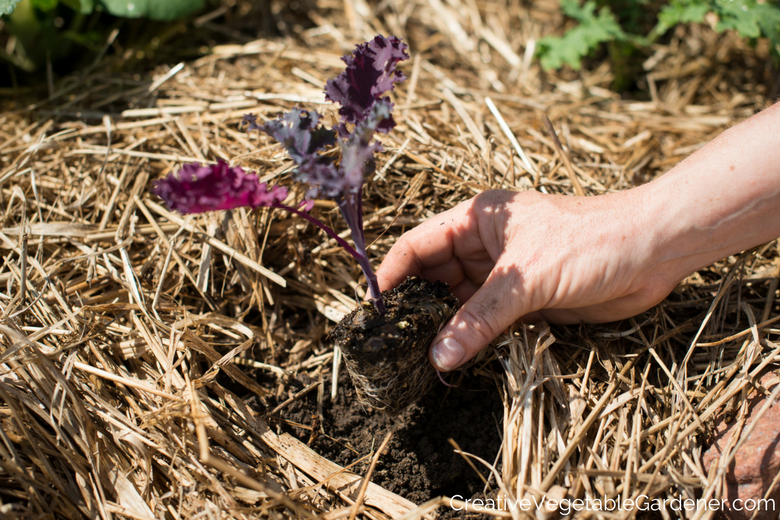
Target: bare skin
(510,256)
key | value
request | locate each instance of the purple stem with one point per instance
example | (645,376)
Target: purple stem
(343,243)
(358,254)
(351,210)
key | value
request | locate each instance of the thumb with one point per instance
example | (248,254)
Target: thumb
(495,306)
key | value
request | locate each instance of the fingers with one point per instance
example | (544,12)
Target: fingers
(401,261)
(450,272)
(614,309)
(461,247)
(429,245)
(492,308)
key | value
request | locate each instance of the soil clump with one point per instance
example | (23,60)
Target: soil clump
(387,355)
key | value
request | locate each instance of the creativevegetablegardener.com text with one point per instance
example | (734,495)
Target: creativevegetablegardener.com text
(641,503)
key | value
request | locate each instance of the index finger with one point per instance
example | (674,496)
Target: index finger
(429,245)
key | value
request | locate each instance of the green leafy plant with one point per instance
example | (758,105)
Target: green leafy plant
(751,19)
(163,10)
(48,29)
(614,22)
(592,30)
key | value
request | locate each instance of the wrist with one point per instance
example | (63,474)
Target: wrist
(679,235)
(658,246)
(690,222)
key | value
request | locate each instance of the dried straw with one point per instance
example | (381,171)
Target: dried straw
(129,333)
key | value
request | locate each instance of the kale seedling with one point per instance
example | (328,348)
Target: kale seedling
(371,72)
(385,345)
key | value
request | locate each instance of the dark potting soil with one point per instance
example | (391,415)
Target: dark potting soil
(419,462)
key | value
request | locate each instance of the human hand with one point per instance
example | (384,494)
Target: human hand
(529,256)
(510,256)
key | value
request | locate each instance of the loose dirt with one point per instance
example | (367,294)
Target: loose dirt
(419,462)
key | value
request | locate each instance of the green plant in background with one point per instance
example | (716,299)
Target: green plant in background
(163,10)
(751,19)
(47,30)
(7,6)
(619,24)
(591,31)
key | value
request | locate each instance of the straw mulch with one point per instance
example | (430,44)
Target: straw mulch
(129,332)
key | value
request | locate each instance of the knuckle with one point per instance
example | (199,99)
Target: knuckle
(491,196)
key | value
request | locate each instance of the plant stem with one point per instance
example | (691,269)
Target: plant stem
(352,210)
(360,257)
(343,243)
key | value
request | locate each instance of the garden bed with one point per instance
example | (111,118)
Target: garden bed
(160,366)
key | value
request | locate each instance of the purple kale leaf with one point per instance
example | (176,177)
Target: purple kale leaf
(305,142)
(297,131)
(370,73)
(197,188)
(357,150)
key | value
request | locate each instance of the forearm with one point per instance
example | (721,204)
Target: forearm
(723,199)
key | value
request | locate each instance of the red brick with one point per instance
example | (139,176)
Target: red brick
(757,463)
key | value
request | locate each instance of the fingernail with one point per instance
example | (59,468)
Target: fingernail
(448,354)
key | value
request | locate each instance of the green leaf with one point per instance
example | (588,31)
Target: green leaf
(569,49)
(583,14)
(750,19)
(739,15)
(82,6)
(682,11)
(8,6)
(769,22)
(44,5)
(164,10)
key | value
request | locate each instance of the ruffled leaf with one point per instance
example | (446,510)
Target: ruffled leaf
(198,188)
(357,151)
(370,73)
(297,131)
(250,120)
